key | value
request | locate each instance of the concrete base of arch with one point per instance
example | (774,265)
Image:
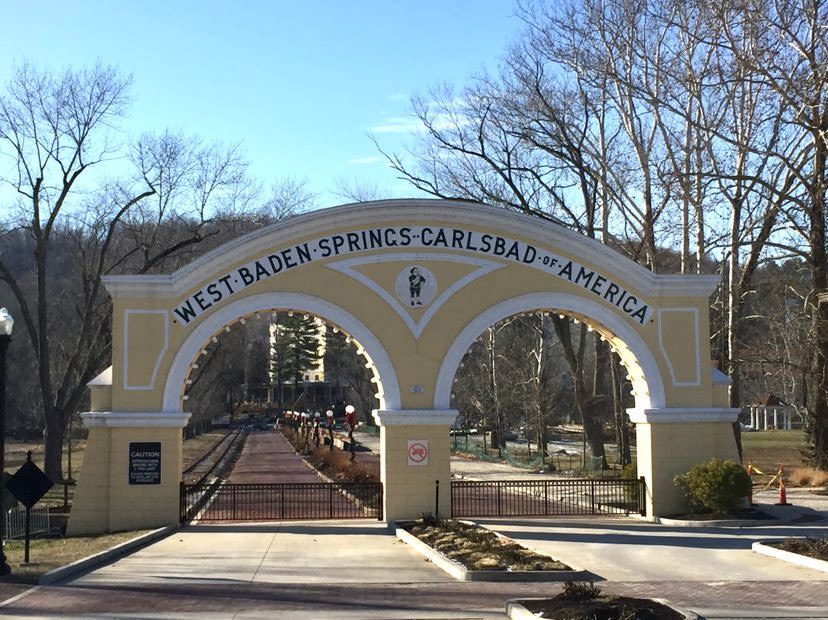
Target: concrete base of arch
(104,500)
(671,440)
(413,485)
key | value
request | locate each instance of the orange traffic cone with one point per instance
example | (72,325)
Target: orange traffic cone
(783,496)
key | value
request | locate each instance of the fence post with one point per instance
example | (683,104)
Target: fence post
(233,505)
(380,504)
(330,501)
(437,498)
(546,497)
(182,505)
(642,496)
(592,495)
(498,499)
(282,502)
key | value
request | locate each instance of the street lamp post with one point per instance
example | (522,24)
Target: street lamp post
(6,324)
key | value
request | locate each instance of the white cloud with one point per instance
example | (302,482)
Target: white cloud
(412,124)
(362,161)
(399,124)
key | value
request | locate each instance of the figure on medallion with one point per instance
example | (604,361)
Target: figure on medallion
(415,283)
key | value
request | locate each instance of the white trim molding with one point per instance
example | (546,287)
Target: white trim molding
(719,378)
(134,419)
(668,415)
(415,417)
(212,324)
(696,342)
(151,386)
(347,267)
(103,379)
(648,384)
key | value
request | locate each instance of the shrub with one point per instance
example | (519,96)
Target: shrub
(630,472)
(716,486)
(807,477)
(579,590)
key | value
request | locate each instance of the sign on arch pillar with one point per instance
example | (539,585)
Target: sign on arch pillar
(415,456)
(112,495)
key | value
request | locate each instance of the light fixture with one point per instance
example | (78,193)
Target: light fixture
(6,325)
(6,322)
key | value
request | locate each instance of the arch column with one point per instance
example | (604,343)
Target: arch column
(409,484)
(105,499)
(669,441)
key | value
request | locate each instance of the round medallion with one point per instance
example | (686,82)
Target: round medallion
(416,286)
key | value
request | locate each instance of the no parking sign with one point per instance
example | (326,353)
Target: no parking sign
(418,451)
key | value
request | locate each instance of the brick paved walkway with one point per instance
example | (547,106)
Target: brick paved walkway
(271,482)
(337,600)
(268,457)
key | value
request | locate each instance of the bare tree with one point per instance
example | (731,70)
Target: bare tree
(56,130)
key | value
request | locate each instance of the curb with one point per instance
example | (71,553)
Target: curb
(721,522)
(104,557)
(788,556)
(516,611)
(461,573)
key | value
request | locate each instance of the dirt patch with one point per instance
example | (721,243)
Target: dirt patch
(816,548)
(477,548)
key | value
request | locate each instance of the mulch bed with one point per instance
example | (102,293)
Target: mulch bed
(478,548)
(816,548)
(602,608)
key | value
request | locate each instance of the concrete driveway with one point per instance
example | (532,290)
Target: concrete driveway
(323,569)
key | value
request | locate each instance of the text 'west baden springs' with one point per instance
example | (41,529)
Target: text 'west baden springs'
(425,237)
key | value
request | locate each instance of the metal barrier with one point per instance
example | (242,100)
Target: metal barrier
(16,522)
(540,498)
(218,501)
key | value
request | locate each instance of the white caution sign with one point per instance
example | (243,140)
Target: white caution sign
(418,451)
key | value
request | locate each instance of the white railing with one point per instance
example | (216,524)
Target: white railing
(16,522)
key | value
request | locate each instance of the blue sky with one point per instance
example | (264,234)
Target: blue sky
(300,85)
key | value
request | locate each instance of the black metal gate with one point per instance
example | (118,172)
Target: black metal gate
(539,498)
(218,501)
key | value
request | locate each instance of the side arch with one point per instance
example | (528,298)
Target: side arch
(189,350)
(652,396)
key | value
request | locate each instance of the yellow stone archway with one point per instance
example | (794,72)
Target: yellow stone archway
(352,265)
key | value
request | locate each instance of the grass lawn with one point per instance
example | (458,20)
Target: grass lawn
(46,554)
(767,449)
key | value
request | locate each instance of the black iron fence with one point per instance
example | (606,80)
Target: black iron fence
(538,498)
(218,501)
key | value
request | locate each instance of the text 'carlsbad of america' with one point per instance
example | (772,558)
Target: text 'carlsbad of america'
(426,237)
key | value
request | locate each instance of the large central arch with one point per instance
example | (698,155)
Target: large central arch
(414,282)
